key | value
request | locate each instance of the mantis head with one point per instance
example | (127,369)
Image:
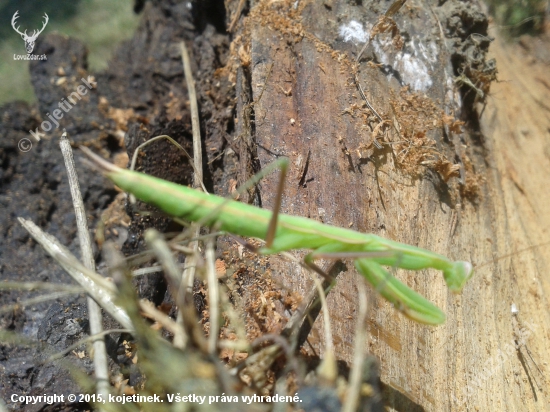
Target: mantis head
(458,274)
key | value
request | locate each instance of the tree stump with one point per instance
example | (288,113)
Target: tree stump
(411,161)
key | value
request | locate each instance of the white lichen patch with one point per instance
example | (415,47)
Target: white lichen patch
(413,72)
(413,65)
(354,32)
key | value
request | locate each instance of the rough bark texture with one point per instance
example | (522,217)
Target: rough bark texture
(307,107)
(141,95)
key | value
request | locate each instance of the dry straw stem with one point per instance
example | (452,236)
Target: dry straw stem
(189,271)
(94,311)
(197,148)
(197,169)
(328,369)
(95,285)
(236,16)
(312,300)
(352,396)
(32,286)
(149,311)
(161,249)
(34,301)
(213,297)
(146,271)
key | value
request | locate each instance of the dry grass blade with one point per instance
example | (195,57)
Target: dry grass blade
(94,311)
(146,271)
(213,297)
(197,146)
(34,301)
(352,398)
(328,369)
(395,7)
(189,271)
(97,287)
(161,249)
(165,321)
(236,16)
(197,169)
(32,286)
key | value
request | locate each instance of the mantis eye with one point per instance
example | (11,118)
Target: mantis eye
(457,276)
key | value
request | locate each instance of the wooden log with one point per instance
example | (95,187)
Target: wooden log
(417,177)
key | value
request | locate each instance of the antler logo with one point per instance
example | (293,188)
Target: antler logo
(29,40)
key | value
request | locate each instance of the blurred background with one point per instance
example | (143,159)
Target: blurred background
(518,17)
(101,24)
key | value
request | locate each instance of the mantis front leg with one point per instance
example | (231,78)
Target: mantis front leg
(404,299)
(377,251)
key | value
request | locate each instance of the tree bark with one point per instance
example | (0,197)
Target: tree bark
(418,178)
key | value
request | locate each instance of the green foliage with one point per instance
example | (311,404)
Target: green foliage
(519,17)
(100,24)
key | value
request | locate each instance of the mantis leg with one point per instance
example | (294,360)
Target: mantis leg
(390,253)
(272,228)
(456,274)
(409,302)
(406,300)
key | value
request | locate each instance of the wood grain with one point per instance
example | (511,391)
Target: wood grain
(303,71)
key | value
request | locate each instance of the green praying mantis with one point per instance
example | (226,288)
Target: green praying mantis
(284,232)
